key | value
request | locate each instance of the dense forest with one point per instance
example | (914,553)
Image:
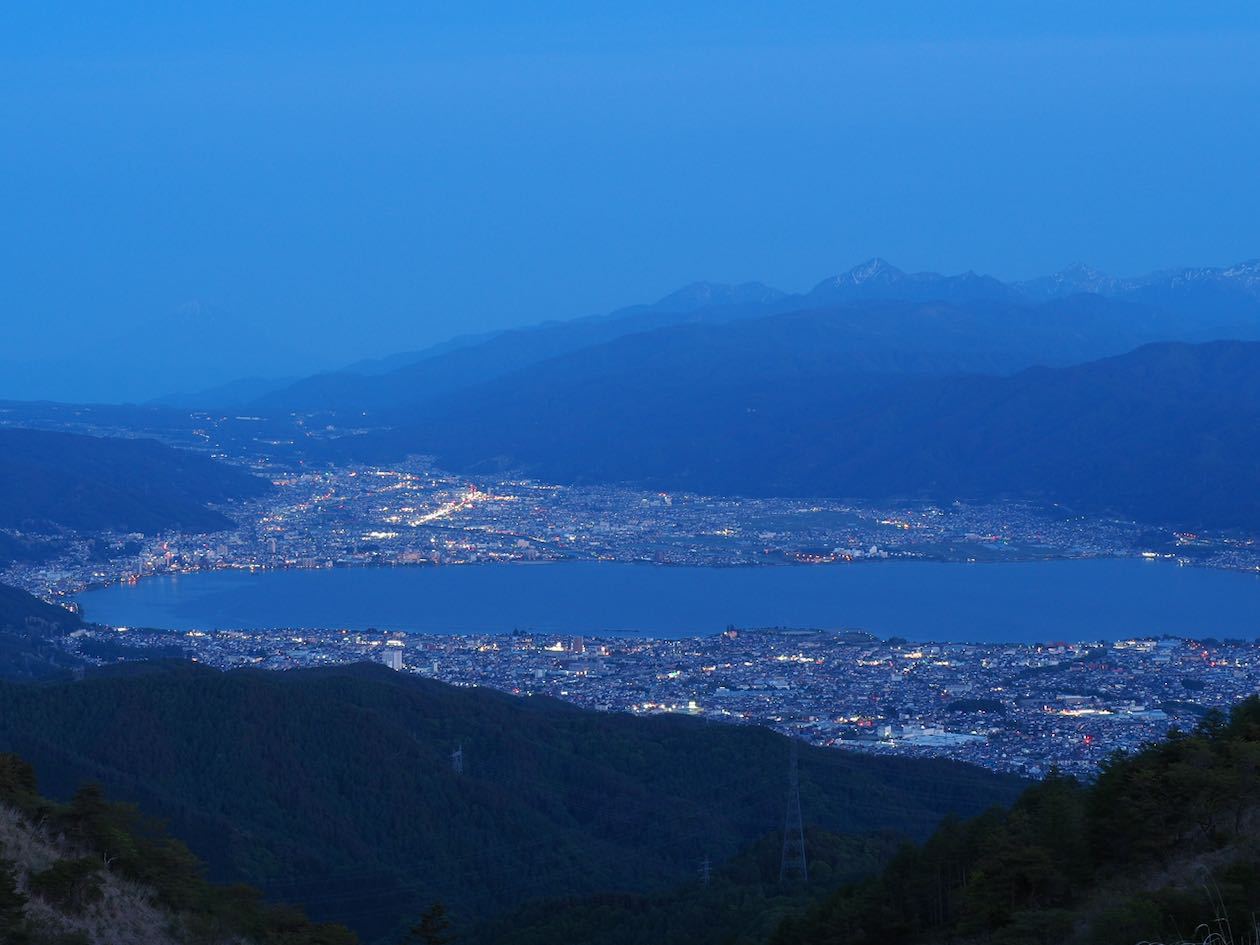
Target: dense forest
(335,788)
(1163,847)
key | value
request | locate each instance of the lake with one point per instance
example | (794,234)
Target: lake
(1091,599)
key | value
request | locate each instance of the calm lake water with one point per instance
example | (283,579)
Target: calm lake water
(1025,601)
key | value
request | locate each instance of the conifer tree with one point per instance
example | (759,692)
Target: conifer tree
(434,928)
(12,907)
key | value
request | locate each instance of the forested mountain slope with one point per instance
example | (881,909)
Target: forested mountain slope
(335,787)
(1164,847)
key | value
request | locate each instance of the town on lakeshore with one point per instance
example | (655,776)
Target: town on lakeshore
(1011,707)
(414,513)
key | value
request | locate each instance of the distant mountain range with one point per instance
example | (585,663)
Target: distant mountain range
(1167,433)
(1183,305)
(406,380)
(233,394)
(1131,396)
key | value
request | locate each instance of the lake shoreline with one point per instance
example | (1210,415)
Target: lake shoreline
(1086,598)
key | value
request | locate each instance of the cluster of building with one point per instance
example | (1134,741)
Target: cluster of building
(413,513)
(1008,707)
(1020,708)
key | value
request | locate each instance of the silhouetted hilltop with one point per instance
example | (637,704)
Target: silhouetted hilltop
(86,483)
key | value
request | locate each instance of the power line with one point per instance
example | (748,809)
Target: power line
(792,866)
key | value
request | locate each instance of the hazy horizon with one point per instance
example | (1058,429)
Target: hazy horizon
(200,197)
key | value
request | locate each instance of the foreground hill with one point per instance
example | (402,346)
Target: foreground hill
(85,483)
(1166,433)
(335,787)
(91,872)
(1162,848)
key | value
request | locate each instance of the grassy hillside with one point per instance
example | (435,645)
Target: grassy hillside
(335,787)
(1164,847)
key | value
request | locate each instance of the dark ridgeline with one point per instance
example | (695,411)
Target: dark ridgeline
(582,827)
(51,480)
(20,609)
(336,789)
(1161,848)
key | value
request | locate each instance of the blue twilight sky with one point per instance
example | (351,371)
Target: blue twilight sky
(231,189)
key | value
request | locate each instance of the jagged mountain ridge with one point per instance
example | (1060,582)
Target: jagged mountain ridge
(1187,305)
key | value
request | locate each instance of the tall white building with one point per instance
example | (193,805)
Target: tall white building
(393,657)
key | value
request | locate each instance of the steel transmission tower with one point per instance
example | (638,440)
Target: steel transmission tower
(793,867)
(457,759)
(706,871)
